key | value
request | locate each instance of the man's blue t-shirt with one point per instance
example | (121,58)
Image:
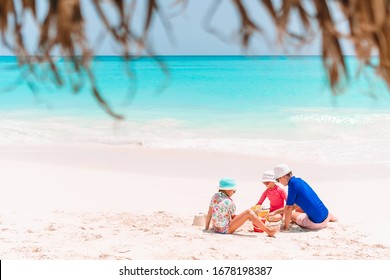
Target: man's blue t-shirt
(301,194)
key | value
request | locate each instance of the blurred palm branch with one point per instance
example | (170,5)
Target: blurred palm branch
(62,28)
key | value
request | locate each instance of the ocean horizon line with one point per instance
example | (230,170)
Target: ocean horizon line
(185,55)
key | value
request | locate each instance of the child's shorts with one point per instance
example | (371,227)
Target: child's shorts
(304,221)
(223,230)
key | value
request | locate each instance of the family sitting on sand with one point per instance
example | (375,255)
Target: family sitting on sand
(303,206)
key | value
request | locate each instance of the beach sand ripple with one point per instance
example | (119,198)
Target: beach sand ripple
(162,235)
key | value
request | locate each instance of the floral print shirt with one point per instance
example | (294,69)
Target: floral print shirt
(222,209)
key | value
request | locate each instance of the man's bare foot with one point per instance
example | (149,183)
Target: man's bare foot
(333,218)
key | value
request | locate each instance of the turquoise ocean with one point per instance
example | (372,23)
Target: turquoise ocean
(246,105)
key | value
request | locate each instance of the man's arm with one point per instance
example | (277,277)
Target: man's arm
(287,216)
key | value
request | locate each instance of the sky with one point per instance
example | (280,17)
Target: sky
(188,32)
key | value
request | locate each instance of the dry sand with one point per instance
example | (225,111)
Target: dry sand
(100,202)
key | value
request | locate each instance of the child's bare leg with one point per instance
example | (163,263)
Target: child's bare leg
(259,223)
(240,219)
(274,218)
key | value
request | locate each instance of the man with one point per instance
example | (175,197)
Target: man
(314,213)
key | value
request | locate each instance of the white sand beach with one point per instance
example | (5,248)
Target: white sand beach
(132,202)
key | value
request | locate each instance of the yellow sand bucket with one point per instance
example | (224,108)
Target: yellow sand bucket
(263,212)
(259,210)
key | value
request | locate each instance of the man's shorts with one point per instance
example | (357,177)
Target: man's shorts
(304,221)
